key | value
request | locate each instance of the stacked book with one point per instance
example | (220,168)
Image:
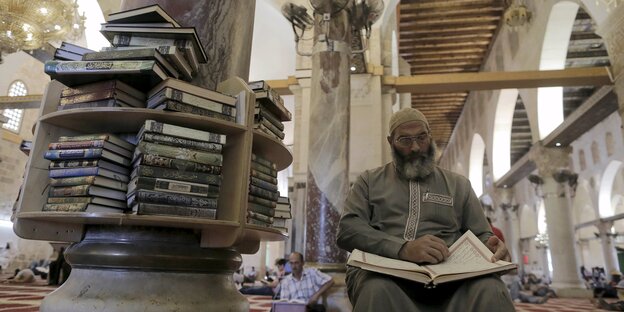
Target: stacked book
(108,93)
(148,46)
(263,192)
(176,171)
(270,111)
(282,214)
(88,173)
(177,95)
(70,52)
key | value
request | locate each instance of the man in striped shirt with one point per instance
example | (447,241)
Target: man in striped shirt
(304,284)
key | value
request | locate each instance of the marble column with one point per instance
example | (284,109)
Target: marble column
(550,162)
(608,246)
(328,153)
(225,28)
(511,226)
(612,32)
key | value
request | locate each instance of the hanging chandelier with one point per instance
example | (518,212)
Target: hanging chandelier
(29,24)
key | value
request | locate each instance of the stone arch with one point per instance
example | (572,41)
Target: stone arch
(553,56)
(475,167)
(606,187)
(501,141)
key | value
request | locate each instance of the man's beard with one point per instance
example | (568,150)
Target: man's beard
(415,166)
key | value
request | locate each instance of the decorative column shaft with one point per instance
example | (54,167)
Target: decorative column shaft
(511,228)
(550,161)
(612,32)
(608,246)
(225,28)
(328,154)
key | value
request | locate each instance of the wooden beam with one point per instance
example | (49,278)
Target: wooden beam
(443,4)
(486,10)
(448,30)
(430,45)
(20,102)
(455,82)
(441,22)
(283,86)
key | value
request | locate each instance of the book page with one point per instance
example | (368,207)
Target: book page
(467,254)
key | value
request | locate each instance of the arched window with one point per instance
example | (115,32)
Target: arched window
(17,88)
(609,143)
(582,162)
(595,153)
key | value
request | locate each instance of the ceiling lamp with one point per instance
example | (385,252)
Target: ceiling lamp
(29,24)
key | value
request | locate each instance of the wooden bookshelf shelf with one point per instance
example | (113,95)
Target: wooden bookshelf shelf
(228,230)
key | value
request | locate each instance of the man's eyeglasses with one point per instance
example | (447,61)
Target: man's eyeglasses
(407,141)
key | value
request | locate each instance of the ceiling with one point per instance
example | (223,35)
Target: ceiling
(454,36)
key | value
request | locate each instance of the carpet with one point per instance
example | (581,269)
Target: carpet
(27,298)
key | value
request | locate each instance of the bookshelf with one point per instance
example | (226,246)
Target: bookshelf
(228,230)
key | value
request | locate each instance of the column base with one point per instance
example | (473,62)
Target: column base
(571,290)
(111,290)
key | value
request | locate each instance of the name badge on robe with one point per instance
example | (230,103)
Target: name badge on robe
(438,199)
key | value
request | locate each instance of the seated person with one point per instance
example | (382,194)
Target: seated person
(270,285)
(304,284)
(250,277)
(411,209)
(23,276)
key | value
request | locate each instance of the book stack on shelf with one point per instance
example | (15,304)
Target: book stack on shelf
(108,93)
(70,52)
(88,173)
(177,95)
(148,46)
(263,192)
(282,214)
(176,171)
(270,111)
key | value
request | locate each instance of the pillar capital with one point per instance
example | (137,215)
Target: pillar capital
(550,160)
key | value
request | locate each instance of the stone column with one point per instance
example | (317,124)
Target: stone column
(608,246)
(511,226)
(328,154)
(550,161)
(612,32)
(225,28)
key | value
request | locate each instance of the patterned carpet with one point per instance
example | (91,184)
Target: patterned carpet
(22,298)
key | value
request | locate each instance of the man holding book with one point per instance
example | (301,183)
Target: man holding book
(304,284)
(412,210)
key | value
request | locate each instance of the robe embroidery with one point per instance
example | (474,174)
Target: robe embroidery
(411,226)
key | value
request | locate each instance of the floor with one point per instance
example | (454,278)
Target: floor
(26,298)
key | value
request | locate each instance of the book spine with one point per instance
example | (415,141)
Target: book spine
(124,40)
(72,181)
(261,201)
(100,103)
(63,191)
(186,108)
(263,176)
(155,209)
(73,163)
(263,184)
(69,200)
(88,88)
(76,145)
(88,97)
(180,153)
(120,55)
(180,142)
(87,137)
(263,161)
(259,216)
(73,154)
(266,170)
(257,191)
(279,222)
(142,196)
(258,222)
(73,172)
(178,164)
(189,176)
(269,126)
(165,185)
(204,103)
(125,67)
(261,209)
(264,113)
(167,129)
(65,207)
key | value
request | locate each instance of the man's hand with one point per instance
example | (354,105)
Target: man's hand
(425,249)
(498,248)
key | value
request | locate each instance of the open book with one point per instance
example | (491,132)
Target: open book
(469,257)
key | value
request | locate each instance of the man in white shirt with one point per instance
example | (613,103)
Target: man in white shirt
(305,284)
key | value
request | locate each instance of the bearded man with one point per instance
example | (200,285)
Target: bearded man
(410,209)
